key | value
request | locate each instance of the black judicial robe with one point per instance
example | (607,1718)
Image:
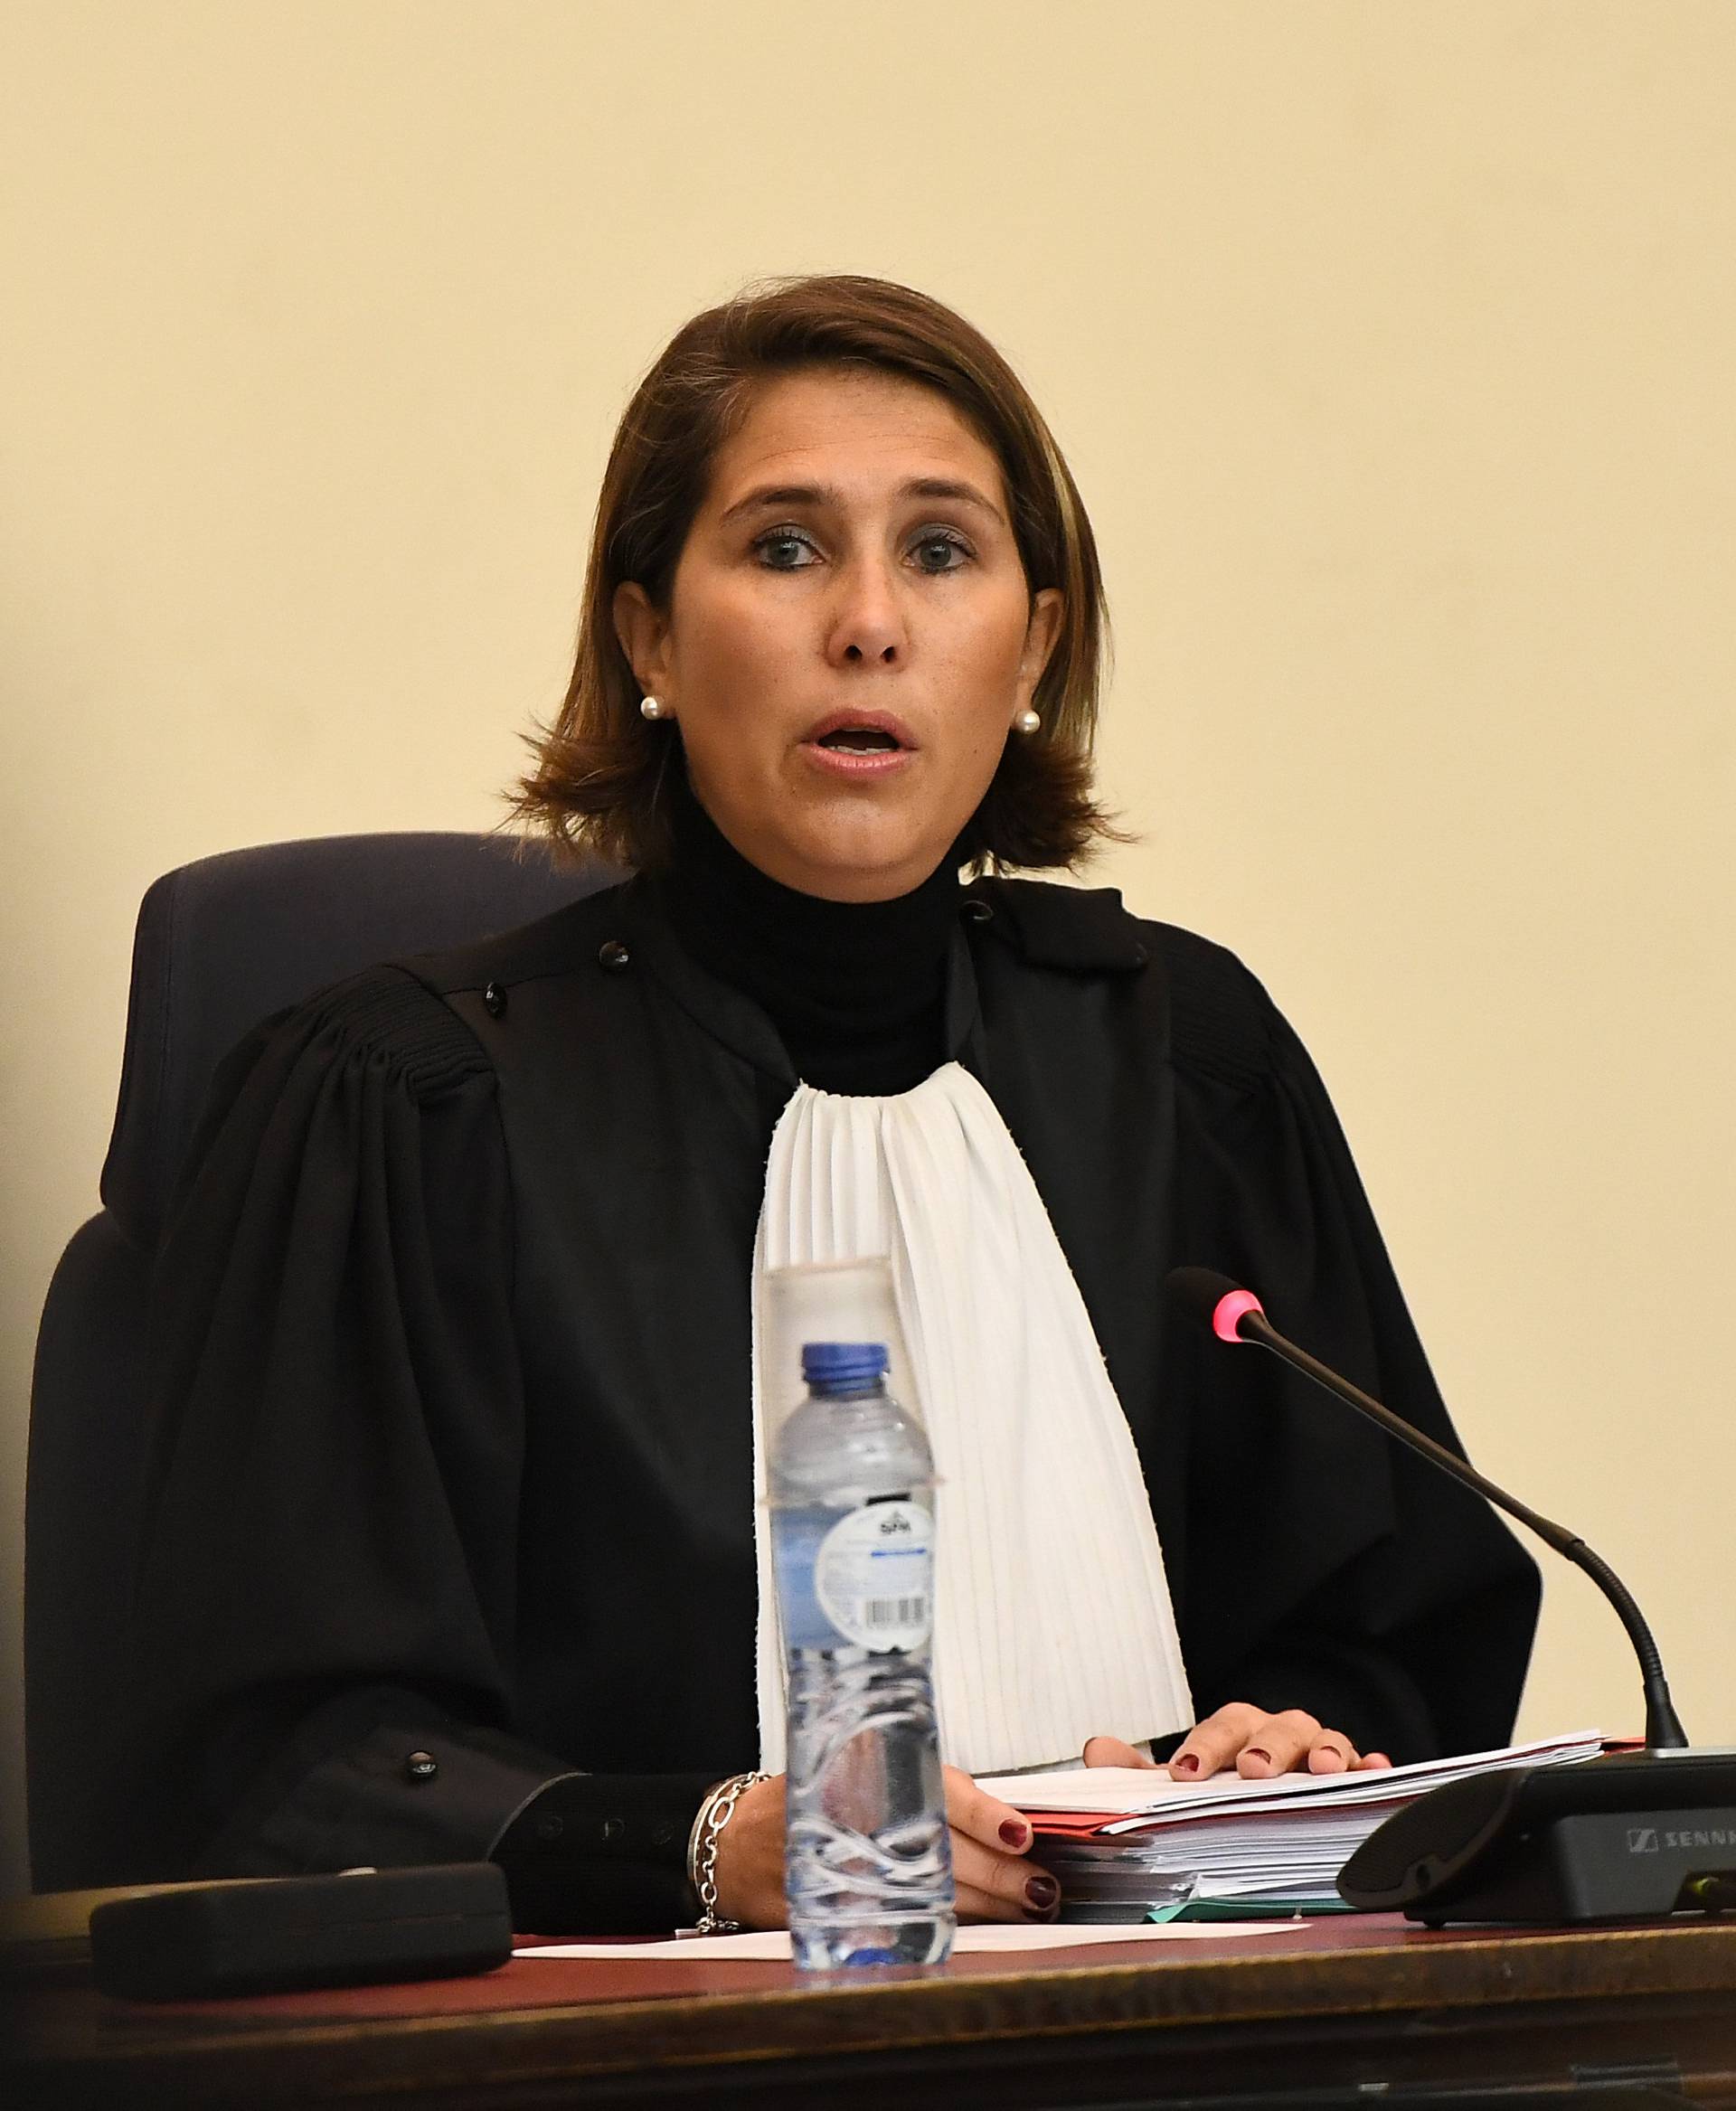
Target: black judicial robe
(452,1487)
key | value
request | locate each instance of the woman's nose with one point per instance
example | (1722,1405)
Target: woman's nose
(867,622)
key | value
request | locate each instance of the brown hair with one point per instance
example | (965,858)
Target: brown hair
(600,767)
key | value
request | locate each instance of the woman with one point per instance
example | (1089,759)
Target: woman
(453,1548)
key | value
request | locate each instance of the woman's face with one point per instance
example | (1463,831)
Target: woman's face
(850,635)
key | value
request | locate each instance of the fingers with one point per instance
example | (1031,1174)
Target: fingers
(1216,1742)
(992,1886)
(1113,1752)
(989,1838)
(1259,1744)
(980,1816)
(1292,1740)
(1295,1740)
(993,1877)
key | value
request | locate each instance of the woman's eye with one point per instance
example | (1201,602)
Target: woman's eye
(941,553)
(783,550)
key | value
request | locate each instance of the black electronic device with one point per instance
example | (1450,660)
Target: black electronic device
(273,1935)
(1627,1837)
(1634,1836)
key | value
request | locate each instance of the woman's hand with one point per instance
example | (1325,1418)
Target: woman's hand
(989,1839)
(1258,1745)
(750,1869)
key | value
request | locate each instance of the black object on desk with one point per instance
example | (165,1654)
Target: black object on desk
(1636,1835)
(275,1933)
(1640,1837)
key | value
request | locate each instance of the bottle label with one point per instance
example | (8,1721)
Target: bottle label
(873,1574)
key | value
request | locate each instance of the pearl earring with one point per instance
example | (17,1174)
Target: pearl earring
(1026,723)
(649,708)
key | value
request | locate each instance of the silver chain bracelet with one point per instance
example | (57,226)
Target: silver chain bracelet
(714,1814)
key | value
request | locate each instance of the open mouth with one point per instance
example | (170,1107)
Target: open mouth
(859,741)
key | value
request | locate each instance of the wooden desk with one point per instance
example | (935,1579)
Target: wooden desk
(1337,2011)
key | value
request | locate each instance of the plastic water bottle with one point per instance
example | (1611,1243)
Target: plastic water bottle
(867,1861)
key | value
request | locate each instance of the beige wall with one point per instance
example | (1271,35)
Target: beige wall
(1393,342)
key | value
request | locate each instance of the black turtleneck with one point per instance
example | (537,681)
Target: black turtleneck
(856,989)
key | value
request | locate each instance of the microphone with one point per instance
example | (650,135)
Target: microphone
(1235,1314)
(1536,1843)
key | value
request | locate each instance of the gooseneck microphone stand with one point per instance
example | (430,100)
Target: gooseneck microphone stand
(1639,1835)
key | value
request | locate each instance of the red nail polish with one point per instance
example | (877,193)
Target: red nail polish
(1016,1835)
(1042,1892)
(1188,1763)
(1253,1752)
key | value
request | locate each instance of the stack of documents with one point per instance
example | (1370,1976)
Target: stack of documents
(1129,1845)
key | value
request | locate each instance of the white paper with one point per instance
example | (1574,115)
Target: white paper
(1142,1793)
(994,1935)
(1280,1841)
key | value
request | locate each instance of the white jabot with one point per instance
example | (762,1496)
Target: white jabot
(1053,1619)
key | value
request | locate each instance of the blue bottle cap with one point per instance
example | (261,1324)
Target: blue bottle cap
(837,1363)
